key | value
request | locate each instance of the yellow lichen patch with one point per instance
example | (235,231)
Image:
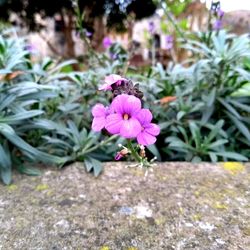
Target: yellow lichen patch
(181,210)
(197,194)
(49,193)
(246,231)
(233,167)
(137,172)
(160,177)
(160,221)
(230,192)
(42,187)
(12,187)
(196,217)
(132,248)
(219,205)
(105,248)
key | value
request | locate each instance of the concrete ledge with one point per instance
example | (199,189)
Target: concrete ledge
(178,206)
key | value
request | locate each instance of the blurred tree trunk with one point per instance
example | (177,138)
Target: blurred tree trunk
(69,27)
(130,27)
(99,34)
(99,28)
(68,33)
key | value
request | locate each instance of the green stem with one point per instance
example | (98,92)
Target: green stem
(170,18)
(79,21)
(153,52)
(90,49)
(133,152)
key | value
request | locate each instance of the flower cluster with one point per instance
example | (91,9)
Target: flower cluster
(219,14)
(151,28)
(169,42)
(125,116)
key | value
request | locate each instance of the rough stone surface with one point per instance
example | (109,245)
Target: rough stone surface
(178,206)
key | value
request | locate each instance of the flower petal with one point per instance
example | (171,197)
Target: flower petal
(133,105)
(152,129)
(106,42)
(98,123)
(145,138)
(113,123)
(105,87)
(130,128)
(98,110)
(126,104)
(118,156)
(144,116)
(113,78)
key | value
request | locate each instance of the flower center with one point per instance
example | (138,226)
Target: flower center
(125,116)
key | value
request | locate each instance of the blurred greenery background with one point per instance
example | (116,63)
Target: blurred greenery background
(191,60)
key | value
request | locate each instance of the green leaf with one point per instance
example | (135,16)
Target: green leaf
(211,97)
(97,167)
(27,149)
(243,91)
(213,156)
(232,155)
(180,114)
(241,126)
(183,132)
(13,119)
(7,101)
(206,114)
(196,159)
(215,130)
(217,143)
(243,107)
(153,149)
(28,170)
(180,146)
(88,164)
(5,161)
(6,175)
(62,65)
(229,108)
(91,163)
(164,125)
(195,131)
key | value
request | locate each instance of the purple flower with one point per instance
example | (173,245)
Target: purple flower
(88,33)
(110,80)
(100,114)
(121,154)
(151,27)
(220,13)
(106,42)
(169,40)
(124,121)
(118,156)
(31,48)
(113,56)
(149,131)
(217,24)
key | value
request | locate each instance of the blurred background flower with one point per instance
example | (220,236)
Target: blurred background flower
(107,42)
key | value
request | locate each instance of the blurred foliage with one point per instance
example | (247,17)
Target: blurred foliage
(115,11)
(45,111)
(210,118)
(202,106)
(19,106)
(177,7)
